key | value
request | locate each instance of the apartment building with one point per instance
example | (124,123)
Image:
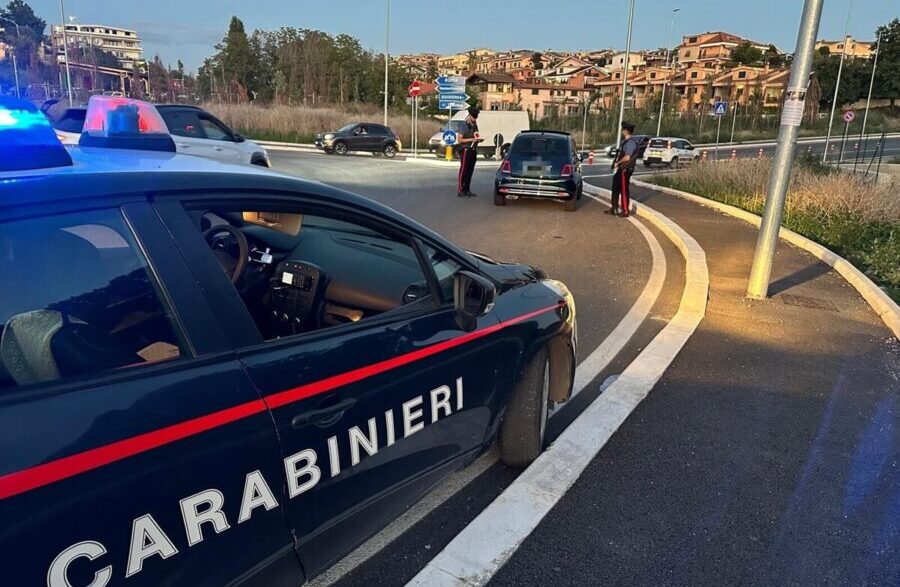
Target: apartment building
(123,43)
(849,46)
(543,100)
(712,49)
(617,60)
(494,91)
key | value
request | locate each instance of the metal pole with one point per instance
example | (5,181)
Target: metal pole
(871,82)
(779,180)
(625,76)
(387,44)
(662,98)
(15,64)
(584,122)
(843,143)
(718,129)
(837,84)
(62,14)
(734,120)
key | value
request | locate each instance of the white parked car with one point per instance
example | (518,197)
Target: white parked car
(669,151)
(194,130)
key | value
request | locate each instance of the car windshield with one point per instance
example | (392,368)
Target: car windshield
(659,143)
(539,155)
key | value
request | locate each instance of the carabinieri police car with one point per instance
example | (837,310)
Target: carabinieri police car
(214,374)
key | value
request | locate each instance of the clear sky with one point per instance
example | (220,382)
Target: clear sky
(188,29)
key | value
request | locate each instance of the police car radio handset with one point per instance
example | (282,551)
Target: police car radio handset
(294,296)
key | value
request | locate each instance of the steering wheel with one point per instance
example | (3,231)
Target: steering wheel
(232,265)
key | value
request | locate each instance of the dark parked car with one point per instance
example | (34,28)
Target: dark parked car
(360,136)
(540,164)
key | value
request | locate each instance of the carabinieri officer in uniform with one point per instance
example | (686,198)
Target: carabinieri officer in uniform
(468,153)
(624,166)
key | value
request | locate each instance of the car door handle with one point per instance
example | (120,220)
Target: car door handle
(218,149)
(322,415)
(183,145)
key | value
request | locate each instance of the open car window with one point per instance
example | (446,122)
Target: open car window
(305,272)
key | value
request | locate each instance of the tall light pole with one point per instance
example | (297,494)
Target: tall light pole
(19,42)
(625,76)
(837,84)
(871,83)
(662,98)
(387,48)
(62,14)
(783,162)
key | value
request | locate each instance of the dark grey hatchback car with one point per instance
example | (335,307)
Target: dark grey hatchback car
(360,136)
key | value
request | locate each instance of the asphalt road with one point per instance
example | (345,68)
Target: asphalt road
(604,261)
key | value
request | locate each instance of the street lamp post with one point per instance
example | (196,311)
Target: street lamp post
(871,83)
(387,47)
(837,84)
(62,13)
(783,162)
(19,42)
(662,98)
(625,76)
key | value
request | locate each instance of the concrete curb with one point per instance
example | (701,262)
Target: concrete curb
(487,543)
(881,303)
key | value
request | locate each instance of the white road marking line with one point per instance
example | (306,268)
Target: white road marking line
(586,371)
(484,546)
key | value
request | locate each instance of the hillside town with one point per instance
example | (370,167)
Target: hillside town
(704,68)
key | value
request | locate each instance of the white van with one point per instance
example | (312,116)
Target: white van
(496,127)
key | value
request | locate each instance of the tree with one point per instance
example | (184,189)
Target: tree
(537,61)
(237,57)
(887,82)
(773,58)
(27,38)
(746,54)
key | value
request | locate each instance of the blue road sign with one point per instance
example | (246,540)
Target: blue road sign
(455,89)
(452,105)
(451,80)
(449,137)
(720,108)
(455,97)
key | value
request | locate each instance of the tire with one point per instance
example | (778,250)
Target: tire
(523,431)
(673,162)
(499,199)
(390,150)
(340,148)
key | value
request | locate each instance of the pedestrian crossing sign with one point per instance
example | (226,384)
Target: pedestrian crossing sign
(720,108)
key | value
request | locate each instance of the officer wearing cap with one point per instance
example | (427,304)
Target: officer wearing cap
(468,153)
(624,166)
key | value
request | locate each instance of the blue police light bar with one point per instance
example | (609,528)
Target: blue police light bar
(122,123)
(27,141)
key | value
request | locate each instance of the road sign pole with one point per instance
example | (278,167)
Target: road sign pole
(387,48)
(782,163)
(844,142)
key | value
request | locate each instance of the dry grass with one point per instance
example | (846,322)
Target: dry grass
(857,219)
(300,123)
(812,191)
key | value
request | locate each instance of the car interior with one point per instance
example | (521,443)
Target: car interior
(76,299)
(298,273)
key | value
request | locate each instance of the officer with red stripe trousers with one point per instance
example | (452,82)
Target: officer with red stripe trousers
(626,159)
(468,153)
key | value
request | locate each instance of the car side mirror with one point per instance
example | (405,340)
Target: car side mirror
(238,138)
(473,296)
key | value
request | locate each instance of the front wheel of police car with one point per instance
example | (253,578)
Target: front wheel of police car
(523,431)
